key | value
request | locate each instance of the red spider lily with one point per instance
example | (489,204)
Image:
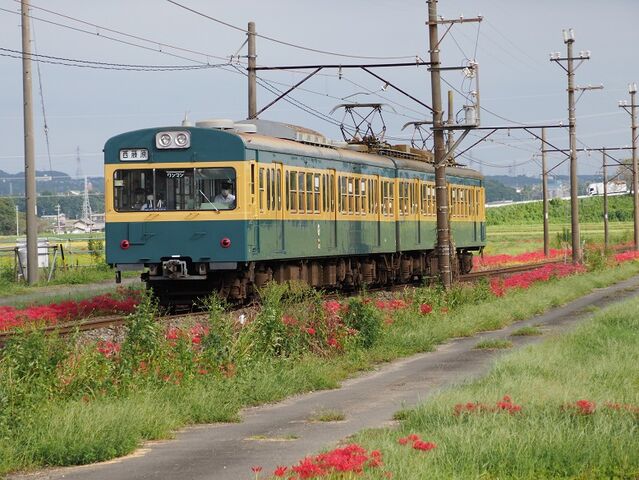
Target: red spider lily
(11,317)
(310,331)
(626,256)
(332,307)
(202,371)
(584,407)
(256,471)
(425,309)
(425,446)
(196,340)
(332,342)
(280,471)
(173,334)
(504,405)
(402,440)
(108,349)
(526,279)
(528,257)
(288,320)
(351,458)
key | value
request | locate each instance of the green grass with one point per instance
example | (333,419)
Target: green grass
(516,239)
(527,332)
(327,416)
(493,345)
(548,439)
(72,431)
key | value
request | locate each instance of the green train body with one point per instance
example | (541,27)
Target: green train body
(295,209)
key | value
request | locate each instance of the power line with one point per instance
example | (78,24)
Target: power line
(281,42)
(71,62)
(124,34)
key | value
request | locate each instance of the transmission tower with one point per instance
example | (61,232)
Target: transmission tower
(86,205)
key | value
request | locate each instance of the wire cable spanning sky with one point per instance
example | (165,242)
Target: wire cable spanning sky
(115,66)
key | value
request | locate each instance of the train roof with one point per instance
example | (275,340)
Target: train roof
(257,141)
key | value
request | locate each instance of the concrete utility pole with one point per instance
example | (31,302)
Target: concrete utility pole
(252,74)
(569,40)
(441,189)
(605,199)
(451,121)
(632,110)
(29,149)
(544,185)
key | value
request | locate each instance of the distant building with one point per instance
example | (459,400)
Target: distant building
(87,226)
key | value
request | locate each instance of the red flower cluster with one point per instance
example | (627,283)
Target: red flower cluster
(11,317)
(195,334)
(416,442)
(504,405)
(351,458)
(626,256)
(107,348)
(425,309)
(528,257)
(582,407)
(526,279)
(391,305)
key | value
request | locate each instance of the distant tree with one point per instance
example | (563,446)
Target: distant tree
(7,217)
(624,172)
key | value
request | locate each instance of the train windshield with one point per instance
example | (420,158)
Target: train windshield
(174,189)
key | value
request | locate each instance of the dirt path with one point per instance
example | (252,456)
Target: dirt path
(281,434)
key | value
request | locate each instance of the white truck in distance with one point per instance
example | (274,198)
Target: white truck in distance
(614,188)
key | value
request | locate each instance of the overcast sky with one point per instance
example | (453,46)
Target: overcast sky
(86,106)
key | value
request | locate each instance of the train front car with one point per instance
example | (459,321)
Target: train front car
(176,207)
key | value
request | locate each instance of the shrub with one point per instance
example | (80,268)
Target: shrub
(366,319)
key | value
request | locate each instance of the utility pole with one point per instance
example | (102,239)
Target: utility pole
(605,199)
(17,222)
(569,40)
(441,188)
(544,185)
(57,208)
(29,149)
(451,121)
(252,74)
(632,110)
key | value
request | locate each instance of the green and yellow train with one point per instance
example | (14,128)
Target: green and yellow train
(227,208)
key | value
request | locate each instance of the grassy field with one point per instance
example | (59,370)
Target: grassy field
(48,420)
(579,400)
(516,239)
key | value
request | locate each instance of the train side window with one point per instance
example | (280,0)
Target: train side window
(288,190)
(301,202)
(293,197)
(343,195)
(268,189)
(252,184)
(357,196)
(309,193)
(260,189)
(278,188)
(331,192)
(316,193)
(351,195)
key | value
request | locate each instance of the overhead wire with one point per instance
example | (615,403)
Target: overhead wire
(44,111)
(282,42)
(118,32)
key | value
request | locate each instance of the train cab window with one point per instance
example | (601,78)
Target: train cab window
(174,189)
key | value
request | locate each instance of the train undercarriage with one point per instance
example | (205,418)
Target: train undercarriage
(180,282)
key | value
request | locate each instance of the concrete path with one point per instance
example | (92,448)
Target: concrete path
(280,434)
(39,294)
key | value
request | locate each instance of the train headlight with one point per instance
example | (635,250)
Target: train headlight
(225,242)
(173,139)
(181,139)
(164,140)
(125,244)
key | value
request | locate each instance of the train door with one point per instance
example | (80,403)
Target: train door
(253,238)
(278,204)
(414,205)
(332,207)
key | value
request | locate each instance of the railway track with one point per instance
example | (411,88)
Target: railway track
(112,321)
